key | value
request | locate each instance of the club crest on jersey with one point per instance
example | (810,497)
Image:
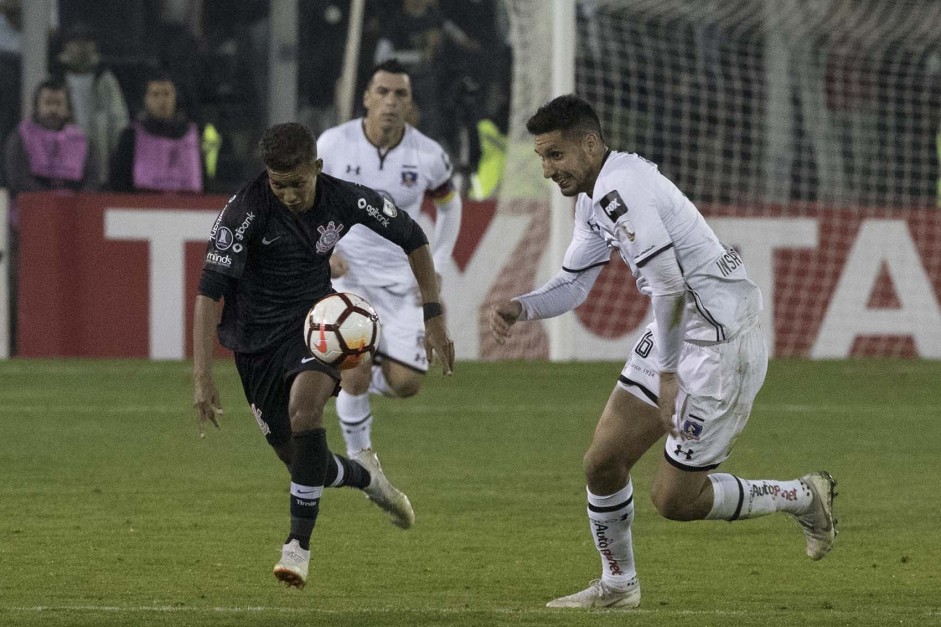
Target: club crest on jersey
(388,208)
(691,430)
(613,206)
(329,236)
(409,178)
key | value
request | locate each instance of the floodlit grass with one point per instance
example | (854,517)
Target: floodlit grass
(113,512)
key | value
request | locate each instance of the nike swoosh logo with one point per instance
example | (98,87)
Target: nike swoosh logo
(304,360)
(266,241)
(299,493)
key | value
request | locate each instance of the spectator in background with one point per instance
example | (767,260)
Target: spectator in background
(48,150)
(161,150)
(97,101)
(11,44)
(416,35)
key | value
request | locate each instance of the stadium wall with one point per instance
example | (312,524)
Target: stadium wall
(105,275)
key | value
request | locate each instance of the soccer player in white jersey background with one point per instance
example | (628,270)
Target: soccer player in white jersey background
(694,374)
(382,151)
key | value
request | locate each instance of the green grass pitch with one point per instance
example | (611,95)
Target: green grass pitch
(113,512)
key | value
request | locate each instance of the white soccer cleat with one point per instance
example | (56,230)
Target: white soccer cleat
(292,569)
(383,493)
(600,595)
(818,524)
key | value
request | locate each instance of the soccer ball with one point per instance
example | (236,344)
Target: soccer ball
(341,329)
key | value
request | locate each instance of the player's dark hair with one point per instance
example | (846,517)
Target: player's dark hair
(286,146)
(52,84)
(392,66)
(566,113)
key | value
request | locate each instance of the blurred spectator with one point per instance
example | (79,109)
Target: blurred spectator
(415,35)
(161,150)
(98,104)
(48,150)
(11,42)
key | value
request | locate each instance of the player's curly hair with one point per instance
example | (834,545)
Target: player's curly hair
(565,113)
(286,146)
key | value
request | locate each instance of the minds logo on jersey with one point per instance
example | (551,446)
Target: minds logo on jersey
(223,238)
(373,212)
(220,261)
(613,206)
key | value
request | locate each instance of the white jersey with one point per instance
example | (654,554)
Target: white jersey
(641,213)
(404,173)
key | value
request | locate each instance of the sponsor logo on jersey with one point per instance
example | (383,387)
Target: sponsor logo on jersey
(329,236)
(409,178)
(613,206)
(373,212)
(350,169)
(728,262)
(266,242)
(219,260)
(237,248)
(240,232)
(223,238)
(388,208)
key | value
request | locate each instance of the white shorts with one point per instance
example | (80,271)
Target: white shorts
(402,336)
(718,384)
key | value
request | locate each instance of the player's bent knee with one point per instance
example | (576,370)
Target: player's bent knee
(306,420)
(604,470)
(407,389)
(671,506)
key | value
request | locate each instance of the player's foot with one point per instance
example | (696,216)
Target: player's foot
(383,493)
(600,595)
(292,569)
(818,523)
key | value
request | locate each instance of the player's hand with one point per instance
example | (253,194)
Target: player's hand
(338,265)
(669,387)
(503,316)
(438,341)
(206,401)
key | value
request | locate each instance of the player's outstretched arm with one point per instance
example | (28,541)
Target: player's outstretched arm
(205,395)
(502,317)
(437,340)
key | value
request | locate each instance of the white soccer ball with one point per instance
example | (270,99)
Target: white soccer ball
(341,330)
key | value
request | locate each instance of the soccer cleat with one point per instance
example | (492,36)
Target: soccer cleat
(383,493)
(818,524)
(292,569)
(600,595)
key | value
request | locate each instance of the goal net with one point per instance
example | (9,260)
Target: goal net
(806,131)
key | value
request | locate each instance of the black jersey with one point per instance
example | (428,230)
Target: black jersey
(278,262)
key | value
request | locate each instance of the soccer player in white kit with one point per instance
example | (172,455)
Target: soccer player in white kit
(693,374)
(385,153)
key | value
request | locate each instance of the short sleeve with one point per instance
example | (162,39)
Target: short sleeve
(227,249)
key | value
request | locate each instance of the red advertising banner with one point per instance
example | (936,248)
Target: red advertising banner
(115,276)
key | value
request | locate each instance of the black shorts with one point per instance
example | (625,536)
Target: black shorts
(267,377)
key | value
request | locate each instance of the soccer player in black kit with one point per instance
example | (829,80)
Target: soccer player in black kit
(268,258)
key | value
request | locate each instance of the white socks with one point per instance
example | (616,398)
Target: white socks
(735,498)
(610,520)
(355,420)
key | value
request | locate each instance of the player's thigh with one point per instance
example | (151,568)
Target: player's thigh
(681,493)
(628,427)
(262,377)
(718,386)
(310,385)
